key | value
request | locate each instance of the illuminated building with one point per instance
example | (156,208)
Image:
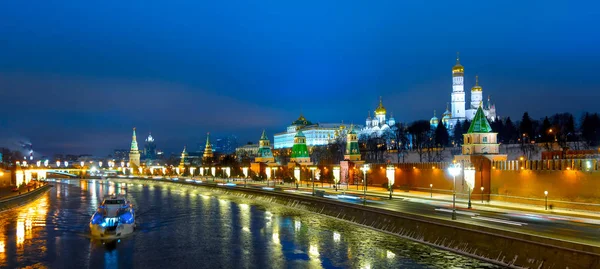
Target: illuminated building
(183,160)
(352,151)
(150,148)
(315,134)
(264,154)
(459,112)
(300,150)
(208,152)
(378,125)
(134,153)
(480,139)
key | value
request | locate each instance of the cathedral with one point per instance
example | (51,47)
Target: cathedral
(458,110)
(378,125)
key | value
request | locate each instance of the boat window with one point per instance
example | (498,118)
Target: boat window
(113,202)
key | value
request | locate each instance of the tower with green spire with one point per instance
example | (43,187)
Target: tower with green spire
(352,151)
(183,157)
(265,155)
(134,153)
(208,152)
(480,139)
(299,150)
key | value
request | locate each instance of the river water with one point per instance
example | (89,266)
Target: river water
(182,227)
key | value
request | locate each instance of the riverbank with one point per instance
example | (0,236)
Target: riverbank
(502,247)
(17,200)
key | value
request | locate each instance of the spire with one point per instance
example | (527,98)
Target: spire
(476,80)
(434,113)
(184,147)
(208,148)
(264,135)
(480,123)
(458,57)
(208,139)
(134,146)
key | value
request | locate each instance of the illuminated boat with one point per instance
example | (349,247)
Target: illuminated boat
(114,219)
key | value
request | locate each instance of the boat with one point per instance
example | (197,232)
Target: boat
(114,219)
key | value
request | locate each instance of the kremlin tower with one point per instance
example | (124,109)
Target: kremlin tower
(299,150)
(458,92)
(352,150)
(208,153)
(134,153)
(264,151)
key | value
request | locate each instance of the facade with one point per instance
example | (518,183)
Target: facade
(300,150)
(378,125)
(248,151)
(264,154)
(352,150)
(480,140)
(183,160)
(316,134)
(459,110)
(134,153)
(150,148)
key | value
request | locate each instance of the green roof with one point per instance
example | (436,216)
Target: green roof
(301,121)
(480,123)
(299,151)
(264,136)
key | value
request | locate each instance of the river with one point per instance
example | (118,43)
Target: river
(180,227)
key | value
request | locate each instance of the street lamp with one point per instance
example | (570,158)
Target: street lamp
(57,163)
(431,190)
(454,170)
(482,194)
(365,168)
(390,173)
(546,194)
(312,169)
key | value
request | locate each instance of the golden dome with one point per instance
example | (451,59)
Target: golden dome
(458,68)
(380,110)
(476,88)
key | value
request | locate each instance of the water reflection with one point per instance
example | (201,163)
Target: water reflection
(191,228)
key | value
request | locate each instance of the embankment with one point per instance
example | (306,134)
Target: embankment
(19,200)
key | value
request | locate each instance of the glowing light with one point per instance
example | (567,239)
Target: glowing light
(100,164)
(546,193)
(313,250)
(336,237)
(245,171)
(66,164)
(276,238)
(454,170)
(390,255)
(46,163)
(297,174)
(470,177)
(38,163)
(81,163)
(390,173)
(297,225)
(336,174)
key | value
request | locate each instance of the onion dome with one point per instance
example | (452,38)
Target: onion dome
(458,68)
(301,121)
(434,121)
(380,110)
(476,88)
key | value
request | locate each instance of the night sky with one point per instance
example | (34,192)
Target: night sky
(76,77)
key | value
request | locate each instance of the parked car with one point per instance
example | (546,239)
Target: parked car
(15,189)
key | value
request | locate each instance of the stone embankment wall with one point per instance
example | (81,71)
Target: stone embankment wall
(497,246)
(19,200)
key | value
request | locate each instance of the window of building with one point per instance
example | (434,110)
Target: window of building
(485,139)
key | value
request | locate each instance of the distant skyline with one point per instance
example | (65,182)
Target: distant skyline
(77,77)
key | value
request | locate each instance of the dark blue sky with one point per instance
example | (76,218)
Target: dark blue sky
(77,76)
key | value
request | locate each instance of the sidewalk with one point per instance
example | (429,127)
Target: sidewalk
(6,192)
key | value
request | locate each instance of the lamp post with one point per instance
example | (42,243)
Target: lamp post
(312,169)
(364,168)
(482,194)
(390,173)
(431,190)
(546,194)
(454,170)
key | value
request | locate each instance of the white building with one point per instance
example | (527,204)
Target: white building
(378,125)
(459,111)
(316,134)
